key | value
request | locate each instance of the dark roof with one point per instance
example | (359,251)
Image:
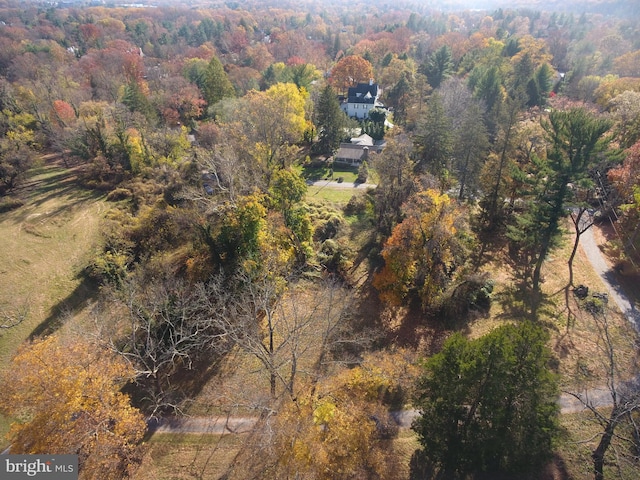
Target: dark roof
(363,93)
(350,151)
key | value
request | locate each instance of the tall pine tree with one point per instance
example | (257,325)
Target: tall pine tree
(434,141)
(575,137)
(216,84)
(330,121)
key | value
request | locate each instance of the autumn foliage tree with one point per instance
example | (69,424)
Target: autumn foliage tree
(424,251)
(350,71)
(66,398)
(340,427)
(626,181)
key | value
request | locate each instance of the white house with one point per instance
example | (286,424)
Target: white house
(360,99)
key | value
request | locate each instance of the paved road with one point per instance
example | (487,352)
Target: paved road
(598,397)
(330,184)
(591,249)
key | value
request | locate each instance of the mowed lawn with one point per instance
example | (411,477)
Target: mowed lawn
(44,247)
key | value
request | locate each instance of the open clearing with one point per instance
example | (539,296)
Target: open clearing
(46,244)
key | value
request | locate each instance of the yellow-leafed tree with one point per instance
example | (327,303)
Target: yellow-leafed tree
(424,250)
(341,428)
(66,398)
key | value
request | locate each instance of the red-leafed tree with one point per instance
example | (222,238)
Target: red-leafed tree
(626,181)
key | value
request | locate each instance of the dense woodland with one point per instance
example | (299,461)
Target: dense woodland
(203,126)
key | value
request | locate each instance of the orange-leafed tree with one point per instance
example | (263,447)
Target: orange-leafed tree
(625,179)
(628,65)
(424,251)
(350,71)
(66,398)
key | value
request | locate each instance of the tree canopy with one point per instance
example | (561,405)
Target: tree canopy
(488,405)
(68,397)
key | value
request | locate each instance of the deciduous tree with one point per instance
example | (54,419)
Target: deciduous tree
(350,71)
(617,420)
(68,397)
(273,122)
(338,427)
(395,182)
(424,251)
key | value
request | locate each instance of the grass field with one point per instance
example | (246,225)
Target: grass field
(46,243)
(337,196)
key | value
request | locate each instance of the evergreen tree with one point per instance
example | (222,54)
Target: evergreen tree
(216,84)
(438,66)
(487,405)
(434,141)
(330,121)
(400,97)
(471,146)
(575,138)
(544,80)
(134,98)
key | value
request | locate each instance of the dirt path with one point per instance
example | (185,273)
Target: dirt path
(203,425)
(225,425)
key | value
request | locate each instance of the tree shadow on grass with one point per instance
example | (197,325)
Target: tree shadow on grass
(86,291)
(401,326)
(516,300)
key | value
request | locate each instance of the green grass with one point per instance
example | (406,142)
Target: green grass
(46,243)
(336,196)
(322,172)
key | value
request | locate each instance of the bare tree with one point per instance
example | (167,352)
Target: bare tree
(288,333)
(14,318)
(169,327)
(617,414)
(161,330)
(583,217)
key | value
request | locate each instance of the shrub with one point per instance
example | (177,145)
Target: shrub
(363,173)
(119,194)
(357,205)
(335,258)
(328,228)
(470,297)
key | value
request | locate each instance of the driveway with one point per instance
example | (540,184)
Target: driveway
(604,271)
(332,184)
